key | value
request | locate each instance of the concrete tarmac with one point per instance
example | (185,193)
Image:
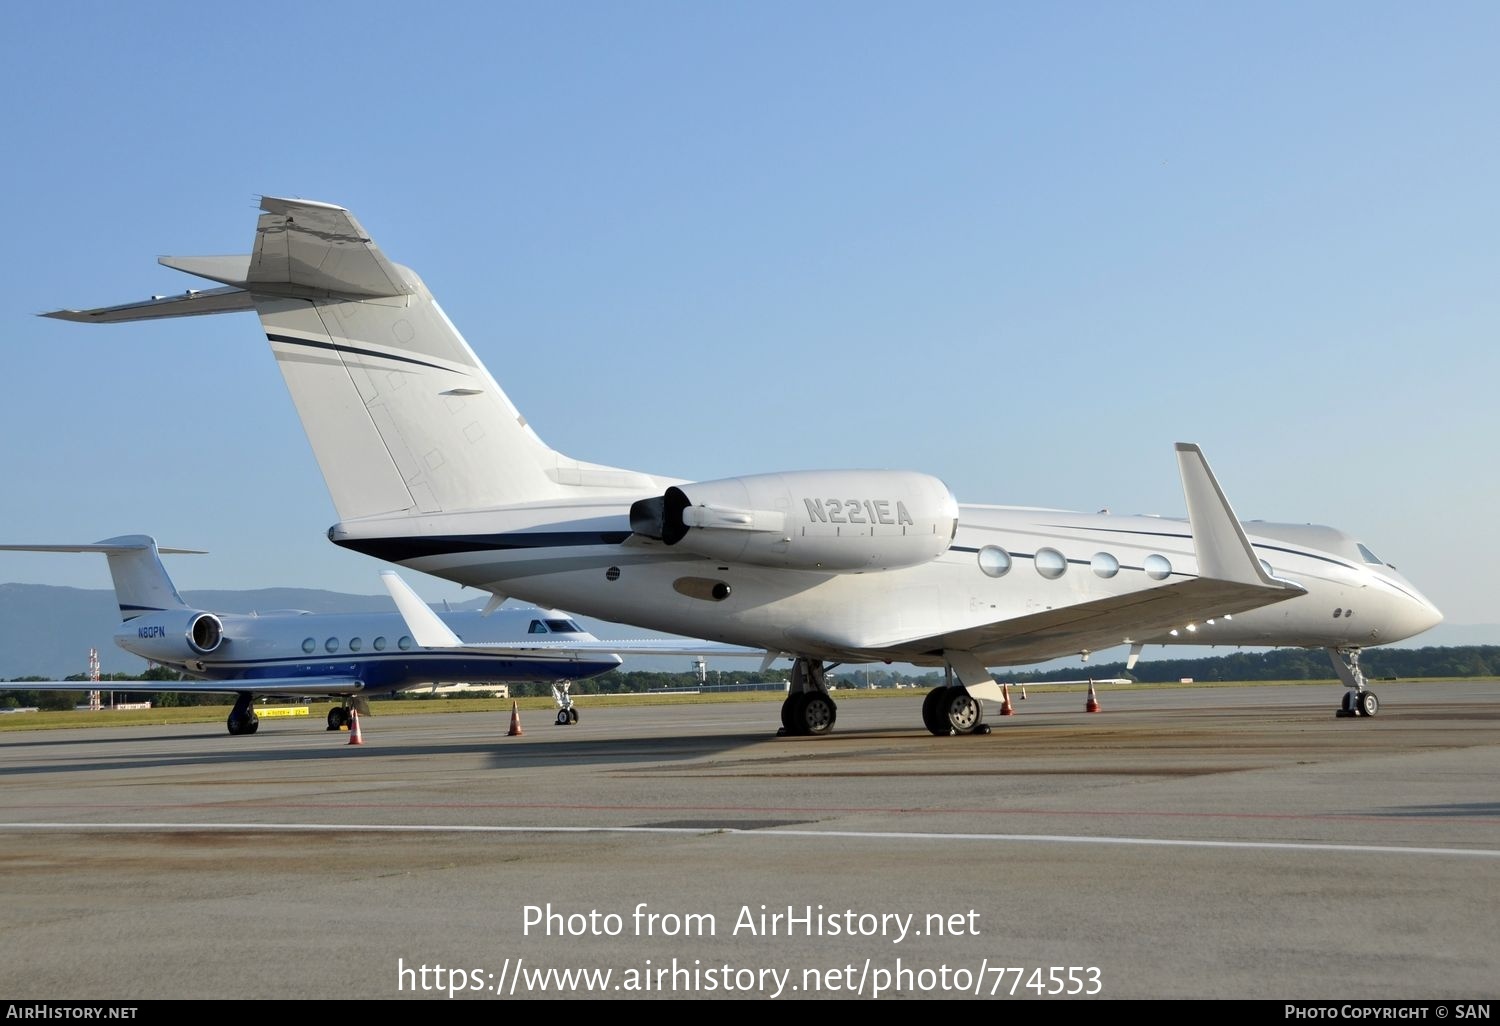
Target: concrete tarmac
(1182,842)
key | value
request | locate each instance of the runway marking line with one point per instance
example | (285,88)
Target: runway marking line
(841,835)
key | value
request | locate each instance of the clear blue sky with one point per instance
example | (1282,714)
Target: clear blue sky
(1025,247)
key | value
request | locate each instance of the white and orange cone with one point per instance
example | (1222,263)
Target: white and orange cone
(515,721)
(1006,709)
(1092,705)
(356,736)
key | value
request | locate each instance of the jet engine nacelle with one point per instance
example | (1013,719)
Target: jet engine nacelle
(831,520)
(175,636)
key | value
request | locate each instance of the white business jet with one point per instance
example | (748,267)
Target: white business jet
(347,656)
(431,467)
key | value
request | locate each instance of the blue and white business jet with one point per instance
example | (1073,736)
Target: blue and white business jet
(347,656)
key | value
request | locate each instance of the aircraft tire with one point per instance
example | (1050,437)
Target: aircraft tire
(962,713)
(1367,704)
(789,714)
(930,718)
(816,713)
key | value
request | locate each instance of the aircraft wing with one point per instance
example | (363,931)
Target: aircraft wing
(310,687)
(623,647)
(429,631)
(1230,580)
(1102,623)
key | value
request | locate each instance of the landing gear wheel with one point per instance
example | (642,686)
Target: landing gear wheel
(808,714)
(338,718)
(816,713)
(930,717)
(242,718)
(1347,708)
(1367,704)
(562,717)
(572,715)
(788,709)
(961,712)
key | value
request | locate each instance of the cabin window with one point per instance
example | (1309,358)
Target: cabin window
(404,644)
(994,561)
(1050,563)
(309,645)
(355,644)
(331,645)
(1104,565)
(379,644)
(1158,568)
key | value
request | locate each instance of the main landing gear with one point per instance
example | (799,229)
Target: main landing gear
(809,709)
(949,709)
(242,718)
(338,716)
(566,714)
(1357,701)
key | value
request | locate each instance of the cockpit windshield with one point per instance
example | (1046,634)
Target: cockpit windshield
(1370,557)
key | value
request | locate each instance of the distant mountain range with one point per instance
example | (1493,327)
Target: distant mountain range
(47,631)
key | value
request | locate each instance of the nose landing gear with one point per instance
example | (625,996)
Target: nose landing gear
(1357,700)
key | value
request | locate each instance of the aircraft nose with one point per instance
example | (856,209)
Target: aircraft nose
(1415,615)
(1429,616)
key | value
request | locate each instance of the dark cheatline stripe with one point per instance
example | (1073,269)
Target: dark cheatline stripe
(1303,552)
(315,344)
(397,550)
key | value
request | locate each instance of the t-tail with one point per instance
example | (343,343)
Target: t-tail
(403,418)
(141,582)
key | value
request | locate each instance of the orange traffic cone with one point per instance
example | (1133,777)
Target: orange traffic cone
(1006,709)
(1092,705)
(1023,692)
(515,721)
(355,736)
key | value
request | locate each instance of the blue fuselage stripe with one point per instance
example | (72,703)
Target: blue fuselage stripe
(398,671)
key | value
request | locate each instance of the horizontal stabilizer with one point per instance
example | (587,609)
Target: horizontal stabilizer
(229,270)
(128,543)
(190,304)
(322,247)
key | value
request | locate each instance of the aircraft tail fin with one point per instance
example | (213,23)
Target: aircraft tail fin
(141,582)
(403,417)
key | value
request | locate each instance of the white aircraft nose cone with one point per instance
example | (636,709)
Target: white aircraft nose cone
(1411,617)
(1426,618)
